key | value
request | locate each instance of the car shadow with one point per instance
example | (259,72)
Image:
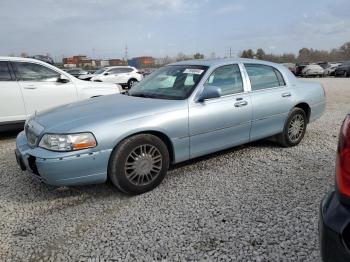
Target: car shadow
(9,134)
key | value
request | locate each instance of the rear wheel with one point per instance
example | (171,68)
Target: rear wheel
(139,164)
(131,83)
(294,128)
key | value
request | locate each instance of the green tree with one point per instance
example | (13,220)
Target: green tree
(247,54)
(198,56)
(260,54)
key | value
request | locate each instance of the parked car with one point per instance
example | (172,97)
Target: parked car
(343,70)
(312,71)
(77,72)
(181,111)
(123,75)
(299,68)
(324,65)
(147,71)
(334,222)
(291,67)
(329,71)
(29,85)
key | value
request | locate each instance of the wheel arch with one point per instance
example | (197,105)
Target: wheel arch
(161,135)
(307,109)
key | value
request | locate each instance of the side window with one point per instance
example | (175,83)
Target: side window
(228,78)
(35,72)
(115,71)
(4,71)
(280,78)
(127,70)
(263,76)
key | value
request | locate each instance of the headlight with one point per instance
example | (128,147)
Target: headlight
(68,142)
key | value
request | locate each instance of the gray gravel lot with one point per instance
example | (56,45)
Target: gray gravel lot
(257,202)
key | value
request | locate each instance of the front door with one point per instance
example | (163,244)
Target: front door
(11,101)
(223,122)
(40,87)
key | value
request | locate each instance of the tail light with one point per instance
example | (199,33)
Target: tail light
(343,159)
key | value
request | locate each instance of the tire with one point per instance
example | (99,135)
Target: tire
(292,137)
(138,164)
(131,82)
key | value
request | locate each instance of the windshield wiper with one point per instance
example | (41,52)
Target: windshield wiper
(143,95)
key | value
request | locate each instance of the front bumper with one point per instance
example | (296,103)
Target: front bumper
(62,168)
(334,225)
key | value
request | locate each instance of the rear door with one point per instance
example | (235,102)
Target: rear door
(125,75)
(119,75)
(40,87)
(272,100)
(11,101)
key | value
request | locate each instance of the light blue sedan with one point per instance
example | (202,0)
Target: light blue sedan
(179,112)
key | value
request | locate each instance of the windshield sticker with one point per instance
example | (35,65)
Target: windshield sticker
(193,71)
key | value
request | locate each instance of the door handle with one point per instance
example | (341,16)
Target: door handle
(286,94)
(241,103)
(30,87)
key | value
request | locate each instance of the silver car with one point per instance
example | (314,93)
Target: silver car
(179,112)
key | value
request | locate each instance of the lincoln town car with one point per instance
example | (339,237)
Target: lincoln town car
(179,112)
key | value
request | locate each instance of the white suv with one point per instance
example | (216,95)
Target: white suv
(29,85)
(123,75)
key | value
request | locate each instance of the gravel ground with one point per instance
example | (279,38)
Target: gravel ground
(257,202)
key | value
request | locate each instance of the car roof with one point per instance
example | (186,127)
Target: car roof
(13,58)
(223,61)
(111,67)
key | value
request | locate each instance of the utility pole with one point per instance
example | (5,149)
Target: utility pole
(126,53)
(230,52)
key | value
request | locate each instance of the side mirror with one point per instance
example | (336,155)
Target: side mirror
(63,79)
(209,92)
(106,74)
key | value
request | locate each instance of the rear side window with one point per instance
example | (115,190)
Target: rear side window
(263,76)
(114,71)
(228,78)
(4,71)
(127,70)
(35,72)
(280,77)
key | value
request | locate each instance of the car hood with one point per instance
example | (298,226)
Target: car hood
(110,108)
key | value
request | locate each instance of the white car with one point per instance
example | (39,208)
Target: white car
(123,75)
(329,71)
(29,85)
(312,70)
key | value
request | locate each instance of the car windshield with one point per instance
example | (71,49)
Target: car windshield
(100,71)
(175,82)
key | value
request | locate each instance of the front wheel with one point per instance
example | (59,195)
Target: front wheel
(138,164)
(294,128)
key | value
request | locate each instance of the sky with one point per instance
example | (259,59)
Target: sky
(102,29)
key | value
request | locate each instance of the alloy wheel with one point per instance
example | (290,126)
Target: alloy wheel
(143,165)
(296,128)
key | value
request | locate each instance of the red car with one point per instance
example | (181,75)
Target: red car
(334,223)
